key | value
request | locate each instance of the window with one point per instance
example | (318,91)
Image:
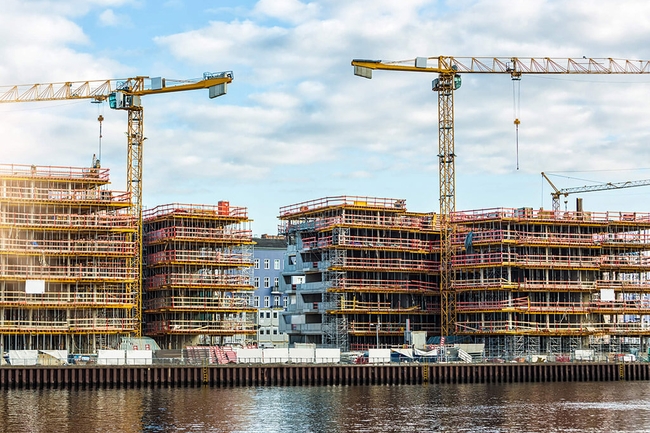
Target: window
(275,331)
(268,314)
(285,302)
(257,263)
(256,301)
(275,314)
(267,263)
(256,282)
(267,282)
(276,264)
(276,301)
(267,302)
(276,282)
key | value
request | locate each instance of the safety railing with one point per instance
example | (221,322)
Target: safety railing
(97,271)
(359,201)
(199,233)
(427,222)
(557,328)
(199,279)
(69,326)
(67,299)
(392,264)
(222,209)
(370,242)
(388,328)
(205,256)
(230,327)
(54,172)
(98,247)
(68,221)
(641,218)
(95,196)
(196,303)
(382,285)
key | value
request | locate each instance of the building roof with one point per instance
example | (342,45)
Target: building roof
(280,244)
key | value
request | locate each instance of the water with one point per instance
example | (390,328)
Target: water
(545,407)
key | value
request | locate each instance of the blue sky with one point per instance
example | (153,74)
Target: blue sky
(296,123)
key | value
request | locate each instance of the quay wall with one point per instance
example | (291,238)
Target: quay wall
(314,375)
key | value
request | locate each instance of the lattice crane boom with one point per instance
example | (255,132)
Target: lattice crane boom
(122,94)
(557,193)
(449,69)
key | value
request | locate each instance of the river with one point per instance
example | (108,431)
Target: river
(528,407)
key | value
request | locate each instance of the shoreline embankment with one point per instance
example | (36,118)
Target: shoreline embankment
(237,375)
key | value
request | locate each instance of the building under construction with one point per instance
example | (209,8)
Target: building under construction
(198,266)
(363,271)
(534,281)
(66,259)
(360,272)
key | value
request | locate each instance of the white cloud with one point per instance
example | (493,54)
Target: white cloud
(108,18)
(296,123)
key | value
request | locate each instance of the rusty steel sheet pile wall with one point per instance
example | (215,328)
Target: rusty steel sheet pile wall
(312,375)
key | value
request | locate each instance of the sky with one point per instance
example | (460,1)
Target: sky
(297,125)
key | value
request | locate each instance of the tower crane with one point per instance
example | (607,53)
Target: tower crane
(557,193)
(449,70)
(122,94)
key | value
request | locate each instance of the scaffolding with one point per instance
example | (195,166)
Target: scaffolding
(365,272)
(67,268)
(198,269)
(534,281)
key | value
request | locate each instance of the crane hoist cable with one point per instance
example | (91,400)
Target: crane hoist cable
(100,118)
(516,100)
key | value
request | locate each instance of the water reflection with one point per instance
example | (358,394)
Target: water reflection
(545,407)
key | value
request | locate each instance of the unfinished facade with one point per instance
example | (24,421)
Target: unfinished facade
(360,272)
(198,261)
(533,281)
(66,260)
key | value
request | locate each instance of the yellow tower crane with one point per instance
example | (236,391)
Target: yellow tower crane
(557,193)
(449,70)
(122,94)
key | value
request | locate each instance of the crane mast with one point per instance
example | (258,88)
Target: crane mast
(449,69)
(122,94)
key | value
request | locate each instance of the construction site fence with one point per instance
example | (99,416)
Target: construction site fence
(223,209)
(554,328)
(370,242)
(642,218)
(392,222)
(117,220)
(54,172)
(202,256)
(196,233)
(640,238)
(200,280)
(86,247)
